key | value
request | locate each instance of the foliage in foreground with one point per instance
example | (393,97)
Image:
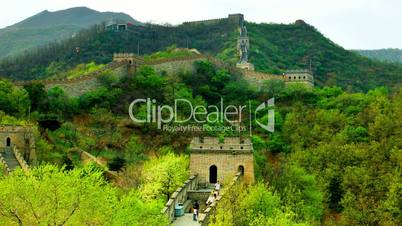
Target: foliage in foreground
(48,195)
(253,205)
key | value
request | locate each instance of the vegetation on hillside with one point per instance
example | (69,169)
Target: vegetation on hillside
(274,49)
(169,52)
(334,158)
(278,47)
(49,195)
(98,45)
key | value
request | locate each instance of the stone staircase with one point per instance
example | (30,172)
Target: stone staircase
(10,159)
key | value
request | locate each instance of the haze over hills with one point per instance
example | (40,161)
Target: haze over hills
(46,27)
(388,55)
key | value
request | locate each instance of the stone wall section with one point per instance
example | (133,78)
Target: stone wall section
(20,137)
(180,196)
(229,156)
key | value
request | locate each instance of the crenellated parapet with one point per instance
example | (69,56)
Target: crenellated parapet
(232,18)
(180,196)
(214,144)
(211,209)
(3,163)
(304,77)
(23,164)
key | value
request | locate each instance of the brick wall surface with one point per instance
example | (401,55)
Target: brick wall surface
(227,165)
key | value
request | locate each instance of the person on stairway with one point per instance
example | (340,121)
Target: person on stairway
(196,208)
(211,198)
(217,187)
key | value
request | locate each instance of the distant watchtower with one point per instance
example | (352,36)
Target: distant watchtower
(304,77)
(215,160)
(130,58)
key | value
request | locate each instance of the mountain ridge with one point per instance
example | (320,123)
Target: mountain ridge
(392,55)
(47,26)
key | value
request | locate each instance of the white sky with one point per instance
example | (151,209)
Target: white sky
(353,24)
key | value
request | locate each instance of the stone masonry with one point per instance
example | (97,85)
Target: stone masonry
(304,77)
(224,158)
(21,137)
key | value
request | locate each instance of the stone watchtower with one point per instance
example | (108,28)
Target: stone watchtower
(20,137)
(213,159)
(129,58)
(304,77)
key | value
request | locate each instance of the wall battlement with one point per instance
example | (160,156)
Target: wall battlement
(229,144)
(129,58)
(299,76)
(235,18)
(15,129)
(180,196)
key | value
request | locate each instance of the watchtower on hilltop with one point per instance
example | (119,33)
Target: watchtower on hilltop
(129,58)
(214,159)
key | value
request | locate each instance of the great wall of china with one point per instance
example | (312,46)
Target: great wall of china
(119,67)
(124,62)
(232,156)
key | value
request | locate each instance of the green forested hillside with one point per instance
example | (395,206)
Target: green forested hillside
(98,45)
(46,27)
(274,48)
(334,158)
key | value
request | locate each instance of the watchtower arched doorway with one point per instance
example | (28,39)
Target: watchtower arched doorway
(241,170)
(213,174)
(8,142)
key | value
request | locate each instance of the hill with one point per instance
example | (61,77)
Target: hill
(46,27)
(388,55)
(274,48)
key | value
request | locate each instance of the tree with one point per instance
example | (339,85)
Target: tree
(58,100)
(37,95)
(13,100)
(162,176)
(252,205)
(131,210)
(48,195)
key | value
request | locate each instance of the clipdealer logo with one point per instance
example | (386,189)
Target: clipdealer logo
(200,114)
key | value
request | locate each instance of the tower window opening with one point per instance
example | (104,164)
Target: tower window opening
(241,169)
(213,174)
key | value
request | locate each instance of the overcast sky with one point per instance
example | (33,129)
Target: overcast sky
(353,24)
